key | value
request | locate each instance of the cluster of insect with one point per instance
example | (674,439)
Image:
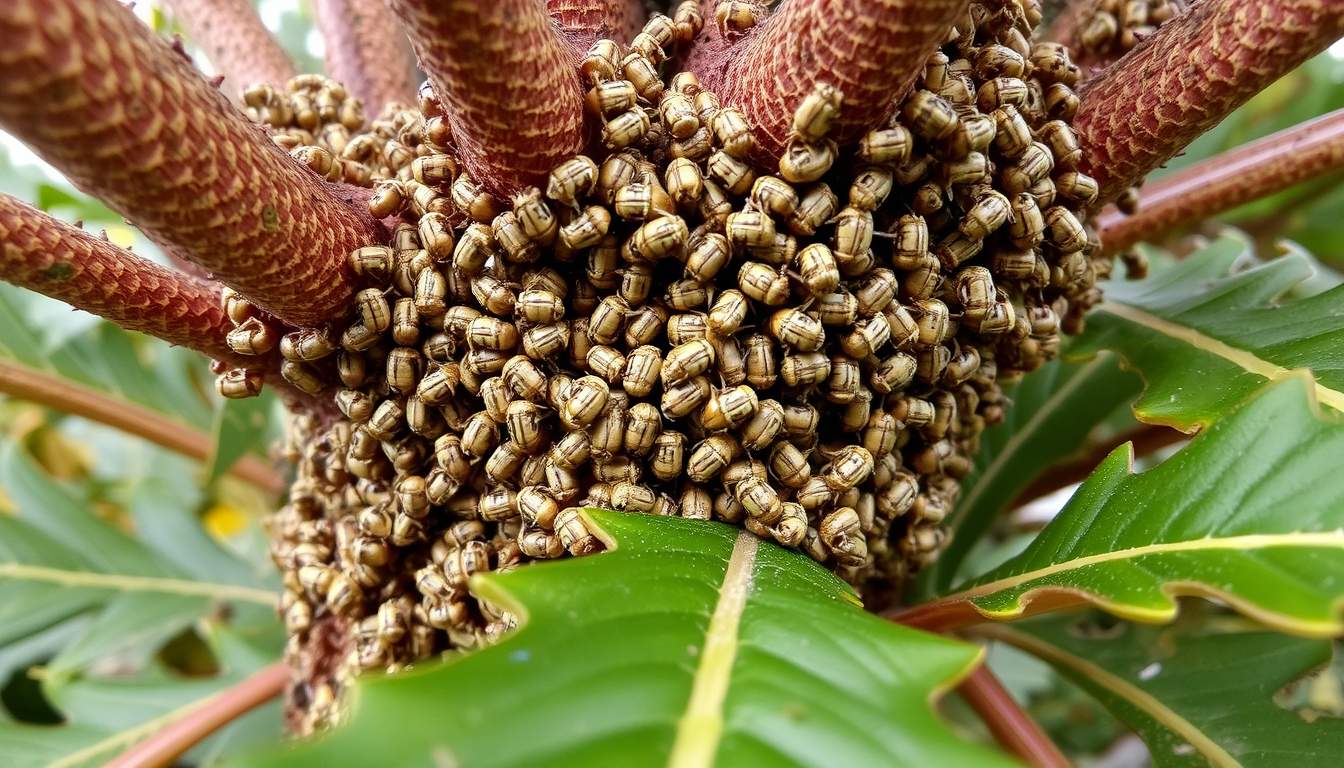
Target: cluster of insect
(1115,26)
(670,328)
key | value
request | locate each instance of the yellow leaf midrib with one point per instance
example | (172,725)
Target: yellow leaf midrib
(122,583)
(1141,699)
(700,727)
(1249,541)
(1244,359)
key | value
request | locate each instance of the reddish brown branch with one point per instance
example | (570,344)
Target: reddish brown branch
(67,397)
(51,257)
(1011,727)
(1250,172)
(163,748)
(100,97)
(367,51)
(871,50)
(1191,74)
(1064,28)
(587,20)
(508,82)
(238,45)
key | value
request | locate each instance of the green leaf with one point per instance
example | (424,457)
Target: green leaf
(1049,416)
(690,639)
(1198,696)
(96,605)
(1204,340)
(1251,513)
(240,426)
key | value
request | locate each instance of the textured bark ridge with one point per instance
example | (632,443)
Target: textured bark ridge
(585,21)
(366,51)
(238,45)
(510,79)
(871,50)
(1184,80)
(64,262)
(97,95)
(1247,173)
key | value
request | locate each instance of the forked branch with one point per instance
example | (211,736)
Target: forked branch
(94,92)
(1219,184)
(508,83)
(871,50)
(367,51)
(64,262)
(1190,75)
(235,40)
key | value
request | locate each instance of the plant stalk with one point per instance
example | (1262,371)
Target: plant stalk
(1245,174)
(871,50)
(1011,726)
(508,84)
(367,51)
(125,117)
(1194,71)
(46,255)
(75,399)
(163,748)
(235,40)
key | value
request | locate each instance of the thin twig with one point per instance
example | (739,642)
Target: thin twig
(1011,727)
(67,397)
(1221,183)
(164,747)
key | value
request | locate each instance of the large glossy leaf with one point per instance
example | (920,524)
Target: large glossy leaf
(1049,416)
(94,606)
(1204,340)
(1251,512)
(690,644)
(1199,695)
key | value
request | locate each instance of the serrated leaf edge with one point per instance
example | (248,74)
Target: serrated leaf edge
(1073,596)
(1238,357)
(1149,704)
(120,583)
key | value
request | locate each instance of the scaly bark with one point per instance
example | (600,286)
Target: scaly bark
(1191,74)
(507,81)
(1249,172)
(125,117)
(587,20)
(238,45)
(64,262)
(367,51)
(872,50)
